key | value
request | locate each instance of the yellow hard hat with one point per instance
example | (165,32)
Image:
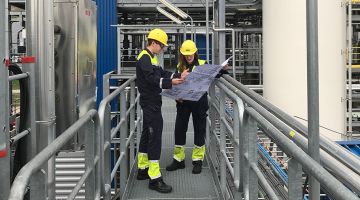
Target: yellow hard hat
(188,48)
(159,35)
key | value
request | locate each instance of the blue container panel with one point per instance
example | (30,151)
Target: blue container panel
(106,42)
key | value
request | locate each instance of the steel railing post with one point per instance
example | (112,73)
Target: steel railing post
(236,130)
(138,126)
(106,84)
(222,142)
(245,151)
(295,180)
(38,186)
(252,153)
(123,148)
(89,159)
(132,122)
(105,118)
(98,154)
(212,128)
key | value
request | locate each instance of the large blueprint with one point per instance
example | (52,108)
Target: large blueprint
(196,84)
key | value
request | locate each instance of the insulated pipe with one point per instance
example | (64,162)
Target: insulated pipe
(335,150)
(349,177)
(233,44)
(350,69)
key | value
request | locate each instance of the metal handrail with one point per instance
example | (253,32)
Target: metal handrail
(248,150)
(33,168)
(340,169)
(107,135)
(328,181)
(258,102)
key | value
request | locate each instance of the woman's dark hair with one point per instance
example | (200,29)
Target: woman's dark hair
(182,64)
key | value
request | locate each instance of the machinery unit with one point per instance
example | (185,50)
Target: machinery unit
(75,63)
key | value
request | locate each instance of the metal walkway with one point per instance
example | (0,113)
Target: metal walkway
(185,184)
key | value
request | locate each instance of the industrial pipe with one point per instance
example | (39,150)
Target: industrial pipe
(233,44)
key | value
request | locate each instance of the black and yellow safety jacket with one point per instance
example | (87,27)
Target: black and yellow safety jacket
(151,78)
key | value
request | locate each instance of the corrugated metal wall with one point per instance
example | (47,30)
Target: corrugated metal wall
(106,43)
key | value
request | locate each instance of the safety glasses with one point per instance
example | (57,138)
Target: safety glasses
(160,44)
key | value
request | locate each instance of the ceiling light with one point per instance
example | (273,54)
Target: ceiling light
(174,8)
(169,15)
(229,13)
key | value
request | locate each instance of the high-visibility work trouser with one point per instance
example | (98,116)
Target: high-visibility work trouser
(199,115)
(150,142)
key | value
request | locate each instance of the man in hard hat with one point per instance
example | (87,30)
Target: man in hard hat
(189,59)
(151,79)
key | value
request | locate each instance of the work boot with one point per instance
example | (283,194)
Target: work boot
(175,165)
(160,186)
(143,174)
(197,169)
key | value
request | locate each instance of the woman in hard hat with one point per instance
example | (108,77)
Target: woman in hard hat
(189,59)
(151,79)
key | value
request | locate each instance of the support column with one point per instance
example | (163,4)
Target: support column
(4,112)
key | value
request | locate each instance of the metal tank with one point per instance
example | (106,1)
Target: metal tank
(39,44)
(285,61)
(75,64)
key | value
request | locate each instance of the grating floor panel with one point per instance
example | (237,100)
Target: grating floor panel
(185,184)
